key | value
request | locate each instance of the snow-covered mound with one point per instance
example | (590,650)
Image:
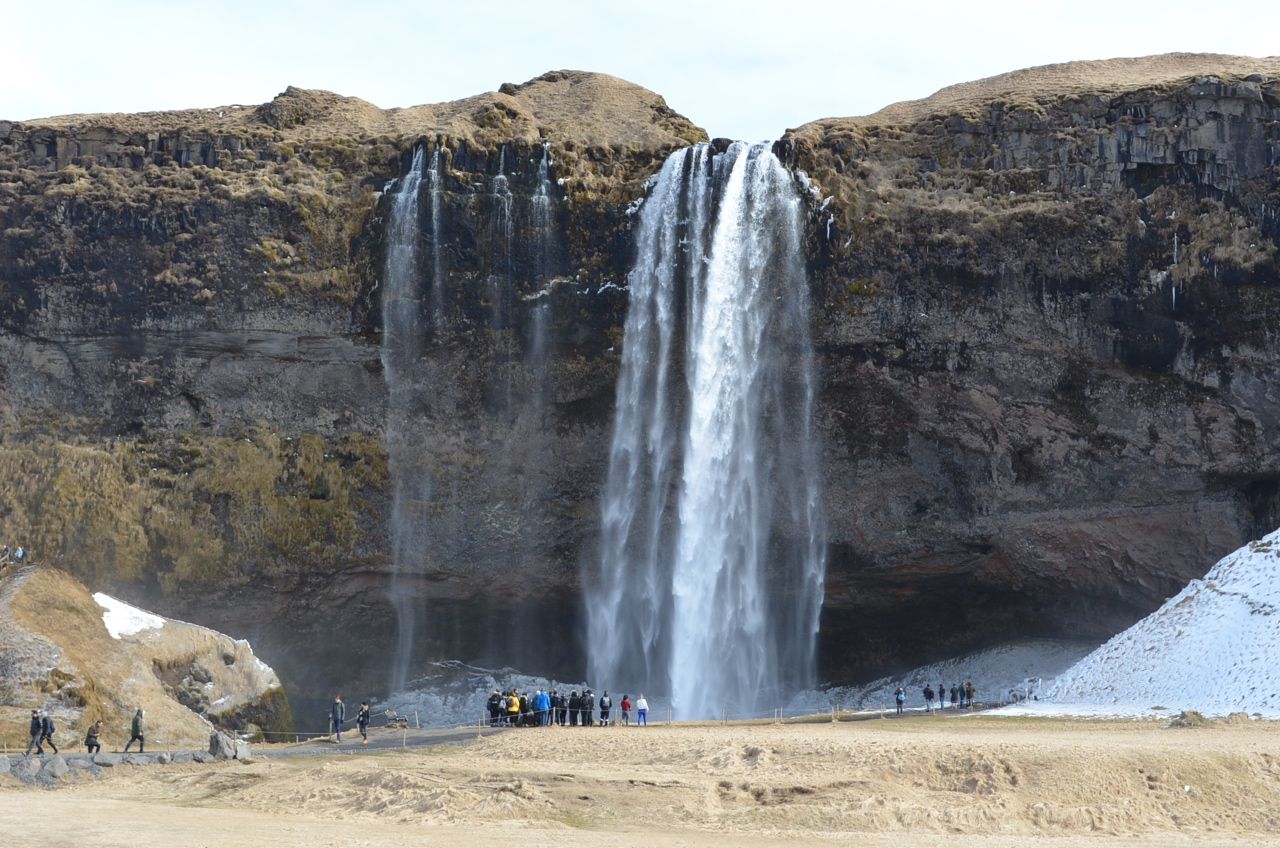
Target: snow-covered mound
(1210,648)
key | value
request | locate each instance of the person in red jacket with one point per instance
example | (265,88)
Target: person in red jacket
(626,710)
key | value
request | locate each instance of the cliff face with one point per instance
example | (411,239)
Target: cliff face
(1042,308)
(1048,303)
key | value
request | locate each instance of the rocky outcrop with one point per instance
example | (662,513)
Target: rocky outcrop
(85,658)
(1046,302)
(1042,308)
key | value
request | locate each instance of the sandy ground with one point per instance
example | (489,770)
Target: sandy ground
(1011,782)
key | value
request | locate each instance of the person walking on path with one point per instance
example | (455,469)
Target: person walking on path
(642,711)
(37,734)
(337,715)
(606,704)
(137,733)
(362,722)
(47,730)
(91,737)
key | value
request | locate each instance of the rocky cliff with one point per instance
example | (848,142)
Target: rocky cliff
(1043,305)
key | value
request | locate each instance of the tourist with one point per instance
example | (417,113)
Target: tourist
(626,710)
(575,704)
(337,715)
(37,734)
(900,698)
(362,722)
(91,737)
(137,732)
(20,554)
(955,696)
(928,698)
(968,693)
(562,709)
(642,711)
(495,708)
(587,707)
(606,704)
(513,708)
(942,694)
(46,730)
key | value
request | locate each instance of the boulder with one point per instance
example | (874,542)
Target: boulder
(164,759)
(221,746)
(138,759)
(53,769)
(106,760)
(183,758)
(242,750)
(202,757)
(83,761)
(4,765)
(26,768)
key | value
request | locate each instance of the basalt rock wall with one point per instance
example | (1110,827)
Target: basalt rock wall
(1042,306)
(1047,336)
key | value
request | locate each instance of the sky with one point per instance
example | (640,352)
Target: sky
(743,69)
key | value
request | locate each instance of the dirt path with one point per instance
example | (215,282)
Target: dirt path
(1010,781)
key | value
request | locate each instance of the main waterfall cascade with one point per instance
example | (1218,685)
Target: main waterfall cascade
(712,562)
(424,293)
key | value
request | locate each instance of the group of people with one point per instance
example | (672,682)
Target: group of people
(572,709)
(43,728)
(338,716)
(15,555)
(961,696)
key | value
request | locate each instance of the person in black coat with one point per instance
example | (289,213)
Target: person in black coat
(337,714)
(37,734)
(46,731)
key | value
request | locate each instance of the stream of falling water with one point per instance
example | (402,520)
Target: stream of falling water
(402,344)
(712,552)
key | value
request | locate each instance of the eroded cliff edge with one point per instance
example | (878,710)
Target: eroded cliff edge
(1048,311)
(1042,307)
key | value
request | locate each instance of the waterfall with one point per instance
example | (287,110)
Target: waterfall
(712,562)
(435,191)
(402,345)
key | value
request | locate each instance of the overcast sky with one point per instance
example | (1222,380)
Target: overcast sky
(746,70)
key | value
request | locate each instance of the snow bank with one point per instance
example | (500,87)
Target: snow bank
(1210,648)
(122,619)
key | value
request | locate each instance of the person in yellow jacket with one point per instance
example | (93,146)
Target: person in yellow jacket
(513,708)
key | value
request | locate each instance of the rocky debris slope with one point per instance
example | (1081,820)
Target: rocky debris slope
(85,658)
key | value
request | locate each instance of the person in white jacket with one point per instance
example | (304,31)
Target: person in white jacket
(642,710)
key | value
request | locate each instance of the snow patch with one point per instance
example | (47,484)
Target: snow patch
(1210,648)
(122,619)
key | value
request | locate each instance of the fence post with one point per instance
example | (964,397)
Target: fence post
(417,724)
(404,738)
